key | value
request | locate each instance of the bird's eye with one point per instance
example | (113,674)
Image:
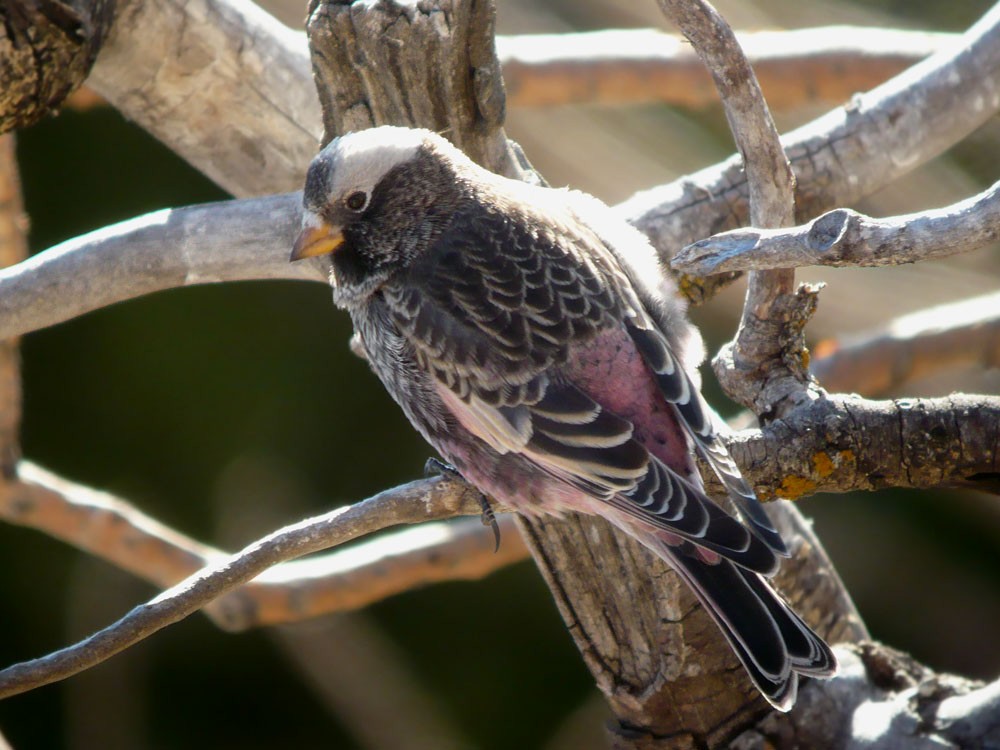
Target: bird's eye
(357,201)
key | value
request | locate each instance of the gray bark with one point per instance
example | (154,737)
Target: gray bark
(844,237)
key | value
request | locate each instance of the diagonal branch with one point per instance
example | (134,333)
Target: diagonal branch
(846,238)
(114,530)
(416,502)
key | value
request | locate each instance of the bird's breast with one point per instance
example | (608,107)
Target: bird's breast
(392,359)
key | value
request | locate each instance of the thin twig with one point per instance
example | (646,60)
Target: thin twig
(114,530)
(362,574)
(847,238)
(962,334)
(416,502)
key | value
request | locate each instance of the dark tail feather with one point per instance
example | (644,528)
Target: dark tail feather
(773,642)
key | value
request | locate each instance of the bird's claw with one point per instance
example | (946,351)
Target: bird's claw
(436,467)
(489,518)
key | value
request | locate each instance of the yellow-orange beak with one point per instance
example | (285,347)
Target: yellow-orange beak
(318,240)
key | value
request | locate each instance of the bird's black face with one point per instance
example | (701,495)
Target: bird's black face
(370,203)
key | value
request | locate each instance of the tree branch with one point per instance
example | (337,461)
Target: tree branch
(688,214)
(844,155)
(837,159)
(221,82)
(962,334)
(230,241)
(343,580)
(846,238)
(884,700)
(841,443)
(416,502)
(825,65)
(760,368)
(114,530)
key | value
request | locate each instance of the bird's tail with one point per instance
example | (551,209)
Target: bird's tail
(773,642)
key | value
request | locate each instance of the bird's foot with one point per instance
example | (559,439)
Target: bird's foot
(436,467)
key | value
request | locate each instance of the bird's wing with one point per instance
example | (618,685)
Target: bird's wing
(699,422)
(492,310)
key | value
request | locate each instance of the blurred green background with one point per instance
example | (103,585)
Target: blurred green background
(226,411)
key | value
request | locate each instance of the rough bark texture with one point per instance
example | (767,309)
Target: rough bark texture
(46,51)
(857,444)
(659,659)
(885,700)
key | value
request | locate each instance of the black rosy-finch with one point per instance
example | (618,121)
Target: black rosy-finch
(533,339)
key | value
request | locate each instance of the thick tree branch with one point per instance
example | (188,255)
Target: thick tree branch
(841,443)
(221,82)
(235,240)
(846,238)
(824,65)
(417,502)
(963,334)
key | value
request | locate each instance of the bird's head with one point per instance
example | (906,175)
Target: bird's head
(372,202)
